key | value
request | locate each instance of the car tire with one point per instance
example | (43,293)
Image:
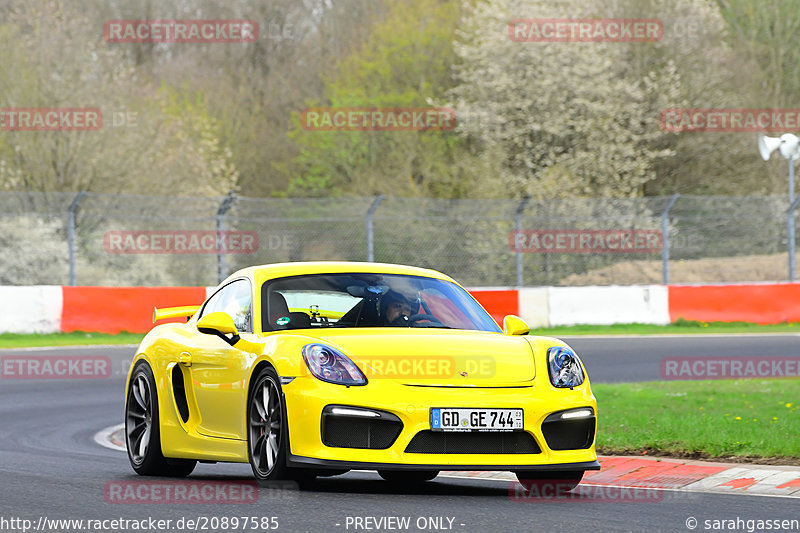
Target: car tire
(550,484)
(143,429)
(408,477)
(268,433)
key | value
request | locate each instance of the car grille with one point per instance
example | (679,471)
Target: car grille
(445,442)
(346,432)
(569,434)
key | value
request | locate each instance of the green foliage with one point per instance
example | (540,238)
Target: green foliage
(405,62)
(544,119)
(765,32)
(171,146)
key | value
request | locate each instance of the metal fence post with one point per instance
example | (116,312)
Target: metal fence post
(370,241)
(73,207)
(518,228)
(224,207)
(665,238)
(790,227)
(790,220)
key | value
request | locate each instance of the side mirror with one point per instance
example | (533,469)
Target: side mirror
(217,323)
(221,324)
(514,325)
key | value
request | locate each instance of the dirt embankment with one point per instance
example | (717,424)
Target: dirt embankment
(744,268)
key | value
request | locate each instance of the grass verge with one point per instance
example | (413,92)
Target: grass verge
(25,340)
(680,327)
(742,420)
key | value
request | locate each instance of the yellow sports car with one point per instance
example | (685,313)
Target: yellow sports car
(313,369)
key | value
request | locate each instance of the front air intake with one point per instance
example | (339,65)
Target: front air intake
(347,427)
(569,433)
(445,442)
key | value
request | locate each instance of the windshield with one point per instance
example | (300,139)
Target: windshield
(365,300)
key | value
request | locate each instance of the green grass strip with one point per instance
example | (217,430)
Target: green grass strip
(682,327)
(76,338)
(750,419)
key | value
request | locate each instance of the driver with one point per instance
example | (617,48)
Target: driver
(395,309)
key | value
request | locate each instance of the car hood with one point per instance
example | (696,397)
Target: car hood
(435,356)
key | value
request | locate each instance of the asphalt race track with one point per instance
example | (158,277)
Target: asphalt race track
(51,467)
(626,359)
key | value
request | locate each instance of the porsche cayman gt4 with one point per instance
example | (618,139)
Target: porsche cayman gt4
(309,369)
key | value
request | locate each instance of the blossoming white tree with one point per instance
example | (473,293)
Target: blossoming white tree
(559,118)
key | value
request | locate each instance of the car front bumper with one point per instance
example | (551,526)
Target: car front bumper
(327,464)
(306,398)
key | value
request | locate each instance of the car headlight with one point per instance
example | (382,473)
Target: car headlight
(565,367)
(329,365)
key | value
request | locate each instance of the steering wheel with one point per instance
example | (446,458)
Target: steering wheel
(423,316)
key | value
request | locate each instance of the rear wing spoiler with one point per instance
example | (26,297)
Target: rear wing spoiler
(174,312)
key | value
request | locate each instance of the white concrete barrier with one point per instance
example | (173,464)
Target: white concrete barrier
(534,306)
(34,309)
(38,309)
(644,304)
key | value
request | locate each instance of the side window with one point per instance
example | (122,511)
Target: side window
(235,299)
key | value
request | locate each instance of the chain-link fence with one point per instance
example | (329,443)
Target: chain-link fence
(99,239)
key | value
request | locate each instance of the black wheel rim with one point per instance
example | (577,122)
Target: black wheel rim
(139,419)
(265,426)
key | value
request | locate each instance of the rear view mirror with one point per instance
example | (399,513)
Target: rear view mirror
(514,325)
(362,291)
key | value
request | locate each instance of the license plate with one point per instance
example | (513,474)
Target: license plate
(455,419)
